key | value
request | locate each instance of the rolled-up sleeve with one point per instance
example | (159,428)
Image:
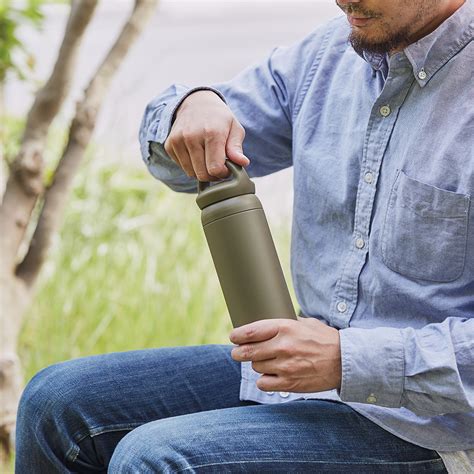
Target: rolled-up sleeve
(429,371)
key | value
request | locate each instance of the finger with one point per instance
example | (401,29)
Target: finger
(214,146)
(169,150)
(272,383)
(235,139)
(255,332)
(265,367)
(184,160)
(197,156)
(254,352)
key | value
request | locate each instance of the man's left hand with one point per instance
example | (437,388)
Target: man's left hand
(293,356)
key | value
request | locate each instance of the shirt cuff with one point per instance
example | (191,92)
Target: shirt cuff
(373,364)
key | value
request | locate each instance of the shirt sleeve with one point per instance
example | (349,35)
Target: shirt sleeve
(264,98)
(429,371)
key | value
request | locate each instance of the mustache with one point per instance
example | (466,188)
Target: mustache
(352,9)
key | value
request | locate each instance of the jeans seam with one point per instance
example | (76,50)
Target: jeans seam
(74,451)
(292,461)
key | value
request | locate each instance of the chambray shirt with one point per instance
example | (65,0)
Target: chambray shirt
(383,224)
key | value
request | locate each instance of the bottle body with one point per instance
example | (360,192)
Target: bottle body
(246,260)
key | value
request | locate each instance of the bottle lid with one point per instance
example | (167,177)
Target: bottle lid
(239,184)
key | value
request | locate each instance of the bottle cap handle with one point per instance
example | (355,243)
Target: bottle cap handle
(238,185)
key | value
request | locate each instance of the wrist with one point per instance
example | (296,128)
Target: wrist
(199,96)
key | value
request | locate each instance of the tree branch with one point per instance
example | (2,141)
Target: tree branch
(80,134)
(25,182)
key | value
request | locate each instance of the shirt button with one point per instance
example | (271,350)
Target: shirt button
(371,398)
(270,393)
(360,243)
(341,306)
(369,178)
(284,394)
(385,110)
(422,75)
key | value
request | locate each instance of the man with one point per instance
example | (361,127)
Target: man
(379,376)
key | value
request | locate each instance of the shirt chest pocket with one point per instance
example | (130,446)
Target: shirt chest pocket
(425,231)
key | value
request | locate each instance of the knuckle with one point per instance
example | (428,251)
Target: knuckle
(248,351)
(202,176)
(285,349)
(249,332)
(215,169)
(189,136)
(284,326)
(210,131)
(256,367)
(282,329)
(213,134)
(286,369)
(169,144)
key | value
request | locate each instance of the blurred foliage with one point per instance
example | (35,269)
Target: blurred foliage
(130,269)
(14,57)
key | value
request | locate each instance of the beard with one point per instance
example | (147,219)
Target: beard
(388,39)
(379,45)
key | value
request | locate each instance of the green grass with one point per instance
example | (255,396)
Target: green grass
(130,269)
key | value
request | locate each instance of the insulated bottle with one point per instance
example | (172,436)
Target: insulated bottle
(242,249)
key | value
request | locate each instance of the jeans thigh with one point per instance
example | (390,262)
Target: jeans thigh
(313,436)
(74,413)
(141,386)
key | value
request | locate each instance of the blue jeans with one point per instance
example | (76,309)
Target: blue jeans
(178,410)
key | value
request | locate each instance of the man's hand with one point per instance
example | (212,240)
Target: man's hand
(293,356)
(204,133)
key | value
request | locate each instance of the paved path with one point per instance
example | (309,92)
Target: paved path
(193,43)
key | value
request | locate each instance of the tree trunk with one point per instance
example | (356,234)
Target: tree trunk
(20,261)
(23,188)
(3,168)
(14,297)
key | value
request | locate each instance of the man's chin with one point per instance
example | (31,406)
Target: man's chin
(363,40)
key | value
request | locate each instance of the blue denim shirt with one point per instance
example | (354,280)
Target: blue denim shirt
(383,224)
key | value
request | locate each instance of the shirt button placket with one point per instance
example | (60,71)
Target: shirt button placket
(346,294)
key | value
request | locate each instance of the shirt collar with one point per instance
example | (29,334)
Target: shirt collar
(428,55)
(433,51)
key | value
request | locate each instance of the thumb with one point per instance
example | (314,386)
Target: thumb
(233,147)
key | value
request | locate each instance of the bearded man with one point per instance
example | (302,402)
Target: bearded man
(375,113)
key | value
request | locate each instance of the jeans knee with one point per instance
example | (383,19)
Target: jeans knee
(36,397)
(48,394)
(147,450)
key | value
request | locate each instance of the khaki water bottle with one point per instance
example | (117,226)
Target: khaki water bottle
(243,251)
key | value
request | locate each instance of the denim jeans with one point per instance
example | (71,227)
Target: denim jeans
(178,410)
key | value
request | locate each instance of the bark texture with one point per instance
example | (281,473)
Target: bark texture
(21,258)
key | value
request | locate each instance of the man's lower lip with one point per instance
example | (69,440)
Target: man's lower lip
(359,21)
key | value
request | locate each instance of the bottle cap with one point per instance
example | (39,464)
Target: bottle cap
(239,184)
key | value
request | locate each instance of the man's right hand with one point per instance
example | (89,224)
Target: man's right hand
(204,133)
